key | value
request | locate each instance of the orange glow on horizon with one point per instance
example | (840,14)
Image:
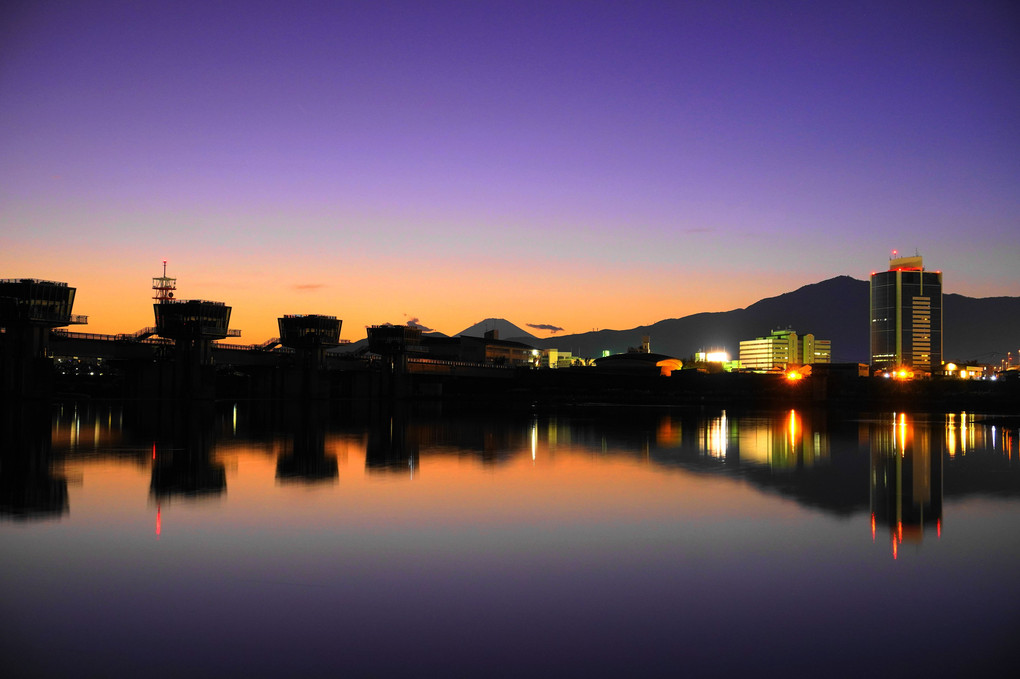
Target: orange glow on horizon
(114,290)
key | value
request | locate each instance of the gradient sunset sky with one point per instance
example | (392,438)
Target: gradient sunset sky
(573,164)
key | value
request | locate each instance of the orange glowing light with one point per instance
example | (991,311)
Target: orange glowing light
(873,526)
(903,444)
(159,520)
(794,375)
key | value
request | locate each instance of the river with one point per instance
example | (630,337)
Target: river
(260,539)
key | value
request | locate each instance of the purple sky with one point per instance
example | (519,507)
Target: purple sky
(577,164)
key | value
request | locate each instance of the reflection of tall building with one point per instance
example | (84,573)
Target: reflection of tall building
(906,481)
(906,316)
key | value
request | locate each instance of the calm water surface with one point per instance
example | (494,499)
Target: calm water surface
(258,540)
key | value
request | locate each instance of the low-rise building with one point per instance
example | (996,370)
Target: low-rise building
(782,349)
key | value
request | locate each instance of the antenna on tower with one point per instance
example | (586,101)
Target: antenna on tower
(164,287)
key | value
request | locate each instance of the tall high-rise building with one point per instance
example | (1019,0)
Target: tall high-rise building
(906,316)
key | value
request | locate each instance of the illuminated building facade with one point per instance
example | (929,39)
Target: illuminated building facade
(906,316)
(783,348)
(814,350)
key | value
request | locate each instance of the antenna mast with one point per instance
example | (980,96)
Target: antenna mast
(164,287)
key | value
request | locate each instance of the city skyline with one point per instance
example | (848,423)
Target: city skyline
(571,166)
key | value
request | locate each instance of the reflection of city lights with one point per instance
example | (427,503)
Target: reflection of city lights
(534,440)
(951,434)
(963,433)
(715,439)
(159,520)
(903,434)
(872,526)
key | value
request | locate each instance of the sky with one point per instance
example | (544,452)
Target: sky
(571,165)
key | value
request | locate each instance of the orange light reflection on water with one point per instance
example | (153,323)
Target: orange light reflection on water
(452,487)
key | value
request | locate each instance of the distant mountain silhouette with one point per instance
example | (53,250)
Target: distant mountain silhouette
(980,329)
(974,329)
(507,331)
(836,309)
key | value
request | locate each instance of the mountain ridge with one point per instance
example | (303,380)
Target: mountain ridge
(980,329)
(836,309)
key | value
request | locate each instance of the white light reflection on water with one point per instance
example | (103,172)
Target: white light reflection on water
(617,543)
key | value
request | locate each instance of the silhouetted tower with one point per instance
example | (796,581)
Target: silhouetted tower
(310,336)
(193,325)
(394,343)
(29,310)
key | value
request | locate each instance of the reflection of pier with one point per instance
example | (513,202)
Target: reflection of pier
(307,460)
(184,468)
(28,488)
(392,445)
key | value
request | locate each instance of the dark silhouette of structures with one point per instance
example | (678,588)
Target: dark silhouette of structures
(309,336)
(192,325)
(29,310)
(186,467)
(394,343)
(29,489)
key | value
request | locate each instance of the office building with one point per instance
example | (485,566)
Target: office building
(906,317)
(782,349)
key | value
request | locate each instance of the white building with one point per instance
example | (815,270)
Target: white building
(782,349)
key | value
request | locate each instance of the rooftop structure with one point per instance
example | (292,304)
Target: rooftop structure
(192,319)
(189,319)
(31,301)
(29,310)
(389,340)
(309,331)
